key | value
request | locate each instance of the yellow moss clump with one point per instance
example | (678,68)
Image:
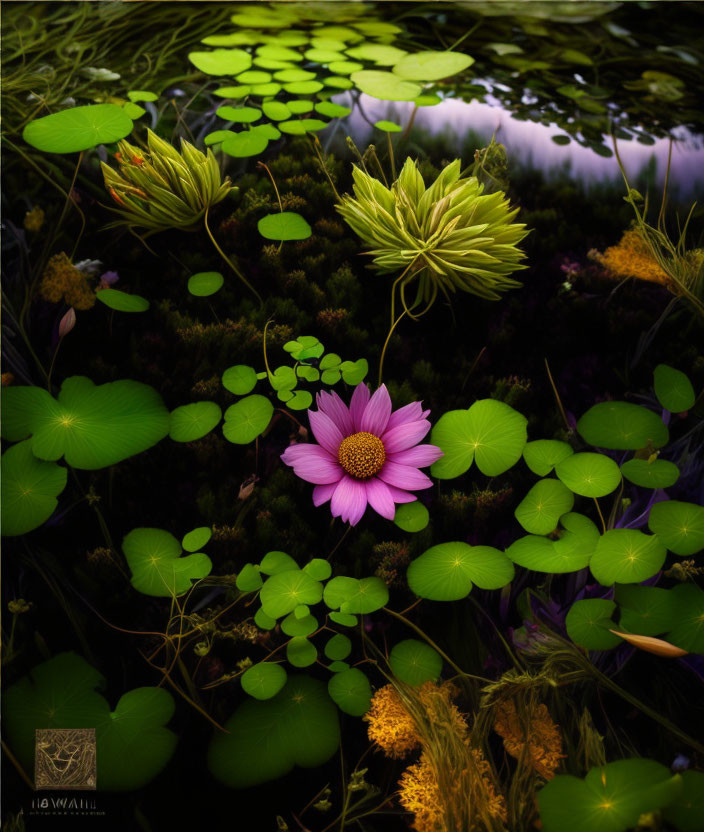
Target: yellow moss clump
(62,280)
(543,750)
(34,219)
(632,257)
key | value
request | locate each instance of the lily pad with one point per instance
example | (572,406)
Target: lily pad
(78,128)
(678,525)
(541,508)
(247,419)
(300,652)
(415,662)
(244,144)
(283,592)
(622,426)
(351,692)
(589,623)
(60,693)
(154,558)
(356,596)
(388,126)
(645,610)
(191,422)
(30,488)
(265,740)
(411,517)
(626,556)
(490,432)
(446,572)
(275,562)
(571,552)
(431,66)
(338,647)
(221,61)
(196,539)
(656,474)
(286,225)
(263,680)
(673,389)
(276,110)
(688,629)
(239,379)
(239,115)
(589,474)
(542,455)
(204,284)
(385,85)
(122,301)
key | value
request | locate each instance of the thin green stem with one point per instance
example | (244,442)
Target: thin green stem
(227,259)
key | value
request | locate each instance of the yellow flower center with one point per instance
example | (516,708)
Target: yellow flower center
(362,455)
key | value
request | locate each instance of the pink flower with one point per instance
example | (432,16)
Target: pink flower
(365,453)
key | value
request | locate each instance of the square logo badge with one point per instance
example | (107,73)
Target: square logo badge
(64,758)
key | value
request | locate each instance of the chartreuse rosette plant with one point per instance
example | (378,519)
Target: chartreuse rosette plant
(449,237)
(159,188)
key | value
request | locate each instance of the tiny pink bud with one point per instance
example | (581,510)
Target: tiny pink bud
(67,323)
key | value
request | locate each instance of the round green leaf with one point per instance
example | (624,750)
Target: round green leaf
(286,225)
(656,474)
(94,427)
(247,419)
(673,389)
(300,127)
(239,115)
(299,106)
(134,111)
(369,595)
(265,740)
(688,629)
(645,610)
(589,474)
(236,91)
(339,82)
(196,539)
(218,136)
(431,66)
(385,85)
(279,53)
(622,426)
(193,421)
(569,553)
(338,647)
(274,562)
(343,68)
(411,517)
(381,54)
(542,455)
(446,572)
(122,301)
(239,379)
(247,143)
(303,88)
(679,526)
(263,680)
(154,558)
(268,131)
(318,569)
(611,798)
(300,652)
(78,128)
(204,284)
(30,488)
(142,95)
(388,126)
(301,400)
(490,432)
(415,662)
(22,408)
(249,579)
(276,110)
(354,372)
(289,76)
(293,626)
(350,691)
(60,693)
(343,619)
(588,624)
(254,76)
(283,592)
(626,556)
(331,110)
(264,621)
(221,61)
(541,508)
(686,812)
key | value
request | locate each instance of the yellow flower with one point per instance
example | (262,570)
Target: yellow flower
(631,257)
(34,219)
(544,747)
(62,280)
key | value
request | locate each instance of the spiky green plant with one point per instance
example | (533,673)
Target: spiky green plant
(450,237)
(161,188)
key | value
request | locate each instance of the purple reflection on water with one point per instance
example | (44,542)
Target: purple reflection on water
(530,142)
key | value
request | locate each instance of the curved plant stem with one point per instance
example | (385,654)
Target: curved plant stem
(227,259)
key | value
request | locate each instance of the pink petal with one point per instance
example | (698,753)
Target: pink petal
(376,414)
(403,476)
(333,406)
(349,500)
(418,457)
(380,499)
(410,413)
(325,431)
(405,436)
(401,496)
(359,400)
(323,493)
(313,463)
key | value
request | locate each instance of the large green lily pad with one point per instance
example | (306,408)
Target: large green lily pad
(154,557)
(446,572)
(78,128)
